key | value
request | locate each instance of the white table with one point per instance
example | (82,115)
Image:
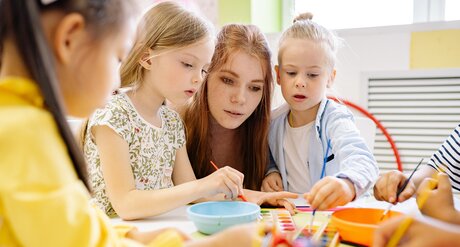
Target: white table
(178,217)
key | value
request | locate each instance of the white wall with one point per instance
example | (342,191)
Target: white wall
(368,49)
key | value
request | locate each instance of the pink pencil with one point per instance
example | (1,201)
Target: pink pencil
(217,168)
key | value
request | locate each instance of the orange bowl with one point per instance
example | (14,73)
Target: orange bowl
(357,225)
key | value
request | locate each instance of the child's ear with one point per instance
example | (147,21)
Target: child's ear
(331,80)
(277,70)
(145,59)
(68,37)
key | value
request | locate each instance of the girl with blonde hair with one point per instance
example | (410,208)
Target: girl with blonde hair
(315,146)
(135,145)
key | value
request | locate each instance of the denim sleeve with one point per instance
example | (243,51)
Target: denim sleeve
(357,163)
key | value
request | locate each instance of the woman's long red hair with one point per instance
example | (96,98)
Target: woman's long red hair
(254,131)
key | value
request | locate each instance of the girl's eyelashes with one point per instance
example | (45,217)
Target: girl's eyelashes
(204,72)
(312,75)
(291,73)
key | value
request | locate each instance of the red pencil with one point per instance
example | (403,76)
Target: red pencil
(217,168)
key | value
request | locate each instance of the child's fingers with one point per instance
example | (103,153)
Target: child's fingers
(232,186)
(271,185)
(279,184)
(274,185)
(236,180)
(270,189)
(265,187)
(429,183)
(330,196)
(380,188)
(321,196)
(314,191)
(407,192)
(287,205)
(231,170)
(393,182)
(444,182)
(331,200)
(305,196)
(238,174)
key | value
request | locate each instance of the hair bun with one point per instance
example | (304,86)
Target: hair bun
(303,17)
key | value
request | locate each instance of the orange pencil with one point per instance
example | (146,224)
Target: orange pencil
(217,168)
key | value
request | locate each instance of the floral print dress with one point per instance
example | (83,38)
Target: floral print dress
(152,150)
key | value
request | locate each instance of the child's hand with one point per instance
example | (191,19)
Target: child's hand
(421,232)
(387,186)
(440,202)
(226,180)
(272,182)
(330,192)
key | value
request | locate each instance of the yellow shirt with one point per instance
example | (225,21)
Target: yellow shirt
(42,203)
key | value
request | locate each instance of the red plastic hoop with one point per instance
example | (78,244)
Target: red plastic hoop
(379,125)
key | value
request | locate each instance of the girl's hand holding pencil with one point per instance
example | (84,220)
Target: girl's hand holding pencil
(240,190)
(225,180)
(274,198)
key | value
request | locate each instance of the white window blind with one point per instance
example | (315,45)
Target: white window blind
(420,109)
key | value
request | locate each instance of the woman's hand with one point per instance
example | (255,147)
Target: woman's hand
(277,199)
(272,182)
(387,186)
(330,192)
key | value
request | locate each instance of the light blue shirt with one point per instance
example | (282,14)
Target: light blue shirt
(348,157)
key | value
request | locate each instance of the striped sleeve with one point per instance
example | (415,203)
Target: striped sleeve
(447,158)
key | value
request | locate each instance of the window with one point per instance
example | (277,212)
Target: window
(339,14)
(452,10)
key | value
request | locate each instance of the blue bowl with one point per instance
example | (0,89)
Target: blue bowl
(212,217)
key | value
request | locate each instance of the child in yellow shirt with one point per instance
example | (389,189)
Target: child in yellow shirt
(61,57)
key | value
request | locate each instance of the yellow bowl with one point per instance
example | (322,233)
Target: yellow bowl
(357,225)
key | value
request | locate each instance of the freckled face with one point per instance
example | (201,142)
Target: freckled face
(235,90)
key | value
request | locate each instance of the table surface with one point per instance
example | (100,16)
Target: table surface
(178,217)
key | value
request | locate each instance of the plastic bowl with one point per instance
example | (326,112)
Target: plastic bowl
(357,225)
(212,217)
